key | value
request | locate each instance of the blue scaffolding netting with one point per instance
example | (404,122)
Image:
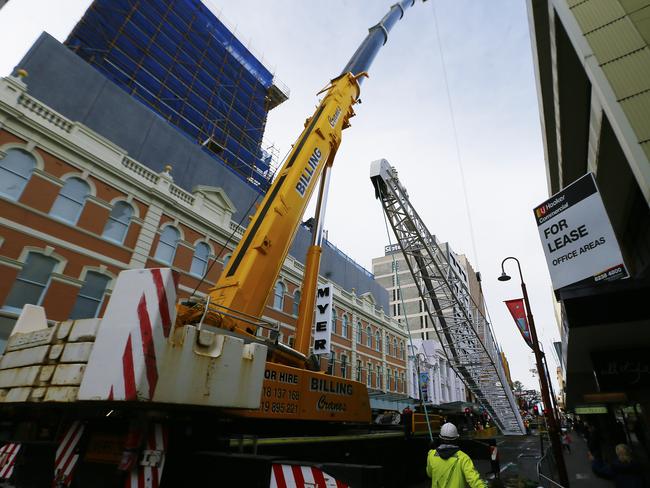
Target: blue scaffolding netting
(176,57)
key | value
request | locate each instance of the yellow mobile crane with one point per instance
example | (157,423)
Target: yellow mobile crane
(248,279)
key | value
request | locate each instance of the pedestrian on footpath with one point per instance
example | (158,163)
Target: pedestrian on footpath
(625,472)
(448,466)
(494,459)
(566,441)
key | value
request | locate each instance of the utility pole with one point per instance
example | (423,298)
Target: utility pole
(549,411)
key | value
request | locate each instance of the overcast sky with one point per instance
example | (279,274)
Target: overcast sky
(404,118)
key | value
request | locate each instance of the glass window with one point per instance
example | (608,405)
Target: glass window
(15,170)
(70,202)
(331,365)
(395,345)
(200,259)
(32,281)
(389,379)
(369,375)
(90,296)
(344,326)
(334,319)
(359,333)
(118,222)
(344,366)
(278,296)
(167,244)
(369,337)
(378,341)
(380,375)
(388,349)
(296,302)
(358,370)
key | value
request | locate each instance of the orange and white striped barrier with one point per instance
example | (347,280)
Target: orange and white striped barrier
(8,454)
(148,472)
(67,455)
(295,476)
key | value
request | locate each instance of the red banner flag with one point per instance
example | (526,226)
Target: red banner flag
(518,312)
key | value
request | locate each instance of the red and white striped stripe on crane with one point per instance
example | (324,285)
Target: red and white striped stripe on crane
(294,476)
(147,474)
(136,325)
(67,456)
(8,454)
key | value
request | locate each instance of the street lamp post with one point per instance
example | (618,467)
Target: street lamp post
(551,421)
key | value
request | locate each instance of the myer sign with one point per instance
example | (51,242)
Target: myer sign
(577,237)
(323,327)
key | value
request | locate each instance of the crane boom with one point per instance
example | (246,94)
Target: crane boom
(250,275)
(461,327)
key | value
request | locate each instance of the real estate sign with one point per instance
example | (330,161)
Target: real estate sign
(577,236)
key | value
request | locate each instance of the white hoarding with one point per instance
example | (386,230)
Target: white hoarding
(323,323)
(577,237)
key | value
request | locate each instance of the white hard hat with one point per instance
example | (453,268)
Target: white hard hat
(448,432)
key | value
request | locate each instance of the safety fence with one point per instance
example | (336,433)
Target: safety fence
(547,471)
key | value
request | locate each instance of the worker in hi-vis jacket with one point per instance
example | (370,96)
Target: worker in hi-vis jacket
(448,466)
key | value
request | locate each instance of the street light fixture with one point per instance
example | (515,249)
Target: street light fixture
(549,413)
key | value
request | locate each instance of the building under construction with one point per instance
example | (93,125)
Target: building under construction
(184,63)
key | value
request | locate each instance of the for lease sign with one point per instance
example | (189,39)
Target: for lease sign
(577,237)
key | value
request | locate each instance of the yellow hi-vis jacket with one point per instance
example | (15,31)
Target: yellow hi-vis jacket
(454,471)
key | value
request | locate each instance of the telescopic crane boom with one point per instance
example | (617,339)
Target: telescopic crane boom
(248,279)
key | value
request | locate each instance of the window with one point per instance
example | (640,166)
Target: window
(344,326)
(296,302)
(395,345)
(402,375)
(200,259)
(226,258)
(388,379)
(278,296)
(401,347)
(369,337)
(90,296)
(378,341)
(359,333)
(32,281)
(334,318)
(369,375)
(15,170)
(167,244)
(380,375)
(70,202)
(344,366)
(388,345)
(331,364)
(358,370)
(118,222)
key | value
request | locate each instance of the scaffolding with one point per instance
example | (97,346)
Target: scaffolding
(176,57)
(459,323)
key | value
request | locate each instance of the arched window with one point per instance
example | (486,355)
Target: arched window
(200,259)
(226,258)
(401,347)
(344,326)
(296,302)
(15,170)
(118,222)
(70,202)
(166,249)
(395,345)
(378,340)
(388,344)
(369,337)
(359,333)
(91,294)
(278,296)
(334,319)
(32,281)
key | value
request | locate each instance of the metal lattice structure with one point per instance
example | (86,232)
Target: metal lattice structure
(460,325)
